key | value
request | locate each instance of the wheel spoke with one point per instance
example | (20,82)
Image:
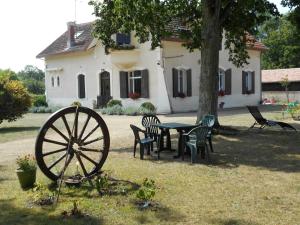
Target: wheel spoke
(56,151)
(81,164)
(89,134)
(76,123)
(66,125)
(88,158)
(57,161)
(84,127)
(89,149)
(92,141)
(60,133)
(55,142)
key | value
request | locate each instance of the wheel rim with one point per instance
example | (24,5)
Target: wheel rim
(75,137)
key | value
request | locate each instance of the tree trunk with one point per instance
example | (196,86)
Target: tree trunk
(210,46)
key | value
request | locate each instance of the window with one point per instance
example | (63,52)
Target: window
(135,82)
(248,81)
(182,77)
(58,81)
(122,39)
(81,86)
(248,85)
(221,80)
(52,81)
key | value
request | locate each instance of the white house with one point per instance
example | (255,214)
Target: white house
(77,69)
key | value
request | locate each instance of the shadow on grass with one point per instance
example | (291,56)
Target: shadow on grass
(232,222)
(6,130)
(271,148)
(11,214)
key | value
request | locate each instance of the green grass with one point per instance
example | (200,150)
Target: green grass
(254,179)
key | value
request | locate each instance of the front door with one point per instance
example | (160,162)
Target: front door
(104,89)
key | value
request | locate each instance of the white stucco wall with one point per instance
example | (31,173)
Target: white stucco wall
(175,55)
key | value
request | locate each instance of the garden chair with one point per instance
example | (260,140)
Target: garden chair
(154,131)
(209,121)
(145,142)
(262,122)
(195,140)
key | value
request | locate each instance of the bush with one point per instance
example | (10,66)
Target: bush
(76,103)
(113,102)
(131,111)
(39,100)
(43,109)
(144,111)
(14,99)
(149,106)
(115,110)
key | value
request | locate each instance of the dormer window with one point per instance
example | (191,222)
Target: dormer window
(122,39)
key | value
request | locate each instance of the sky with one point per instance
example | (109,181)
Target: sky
(29,26)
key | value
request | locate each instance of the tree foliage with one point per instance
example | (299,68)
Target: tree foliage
(294,15)
(33,79)
(14,98)
(283,40)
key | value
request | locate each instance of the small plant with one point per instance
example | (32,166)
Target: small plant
(102,184)
(26,163)
(134,95)
(40,100)
(115,110)
(221,93)
(149,106)
(181,95)
(76,103)
(146,192)
(114,102)
(131,111)
(75,211)
(42,196)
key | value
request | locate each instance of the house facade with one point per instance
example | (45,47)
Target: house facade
(273,91)
(77,69)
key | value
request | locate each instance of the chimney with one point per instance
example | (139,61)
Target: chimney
(71,34)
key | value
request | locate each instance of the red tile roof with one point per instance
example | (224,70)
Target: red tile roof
(275,76)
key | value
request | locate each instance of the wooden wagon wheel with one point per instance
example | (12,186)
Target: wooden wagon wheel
(73,138)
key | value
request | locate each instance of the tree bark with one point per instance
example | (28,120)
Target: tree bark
(210,46)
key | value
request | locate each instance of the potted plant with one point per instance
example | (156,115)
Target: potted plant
(134,95)
(26,171)
(221,93)
(181,95)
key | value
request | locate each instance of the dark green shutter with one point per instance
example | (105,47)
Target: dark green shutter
(145,84)
(123,84)
(189,82)
(244,74)
(228,82)
(175,82)
(81,86)
(253,83)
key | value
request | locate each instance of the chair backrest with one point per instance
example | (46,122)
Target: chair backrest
(208,121)
(147,120)
(135,130)
(198,135)
(256,114)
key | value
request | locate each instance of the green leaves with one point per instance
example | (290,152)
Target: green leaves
(147,190)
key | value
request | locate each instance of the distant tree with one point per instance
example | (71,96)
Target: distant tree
(294,15)
(285,83)
(14,98)
(283,40)
(9,73)
(33,79)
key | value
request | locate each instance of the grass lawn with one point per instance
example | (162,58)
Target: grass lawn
(254,179)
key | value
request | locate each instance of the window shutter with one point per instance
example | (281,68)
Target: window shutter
(175,82)
(145,84)
(127,39)
(228,82)
(189,82)
(81,86)
(253,83)
(244,82)
(123,84)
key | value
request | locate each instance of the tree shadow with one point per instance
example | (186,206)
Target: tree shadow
(5,130)
(232,222)
(10,214)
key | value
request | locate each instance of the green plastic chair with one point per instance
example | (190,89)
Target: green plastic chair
(196,139)
(209,121)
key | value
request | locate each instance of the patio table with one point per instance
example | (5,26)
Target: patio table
(180,128)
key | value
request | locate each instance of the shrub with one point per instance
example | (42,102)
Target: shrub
(114,102)
(147,191)
(39,100)
(76,103)
(131,111)
(26,163)
(43,109)
(149,106)
(14,99)
(115,110)
(144,111)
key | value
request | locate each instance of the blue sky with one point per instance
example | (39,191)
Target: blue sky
(27,27)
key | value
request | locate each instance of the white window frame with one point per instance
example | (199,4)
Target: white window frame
(221,79)
(182,80)
(131,77)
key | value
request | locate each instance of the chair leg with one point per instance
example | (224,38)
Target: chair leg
(141,151)
(207,153)
(202,152)
(193,154)
(134,148)
(210,144)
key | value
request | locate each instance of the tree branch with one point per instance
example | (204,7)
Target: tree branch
(226,11)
